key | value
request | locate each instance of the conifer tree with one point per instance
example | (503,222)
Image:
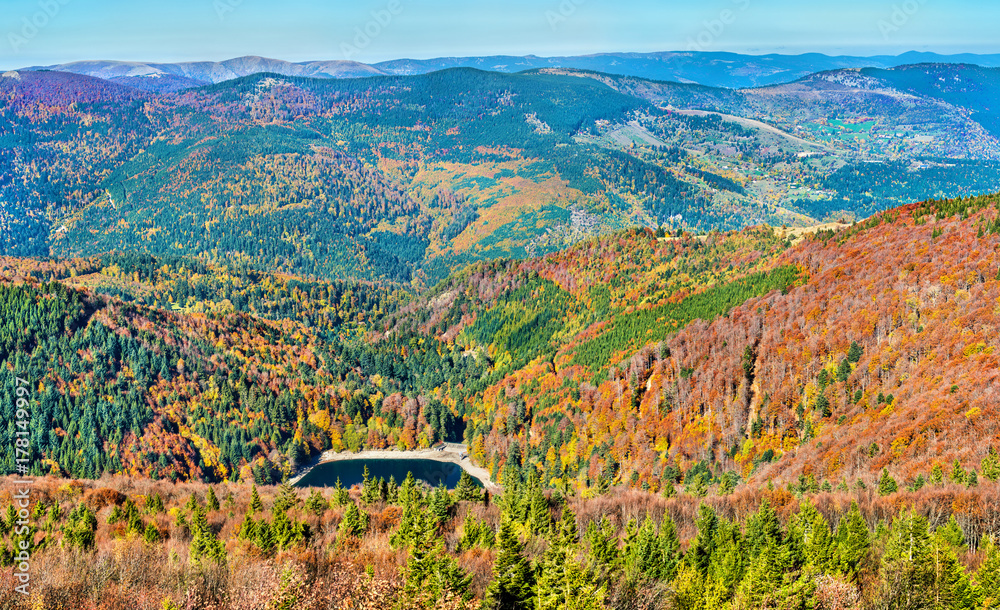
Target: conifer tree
(886,484)
(286,499)
(151,535)
(670,547)
(988,575)
(957,473)
(991,465)
(562,581)
(952,587)
(440,505)
(431,575)
(817,542)
(603,542)
(409,492)
(392,491)
(700,553)
(467,490)
(539,519)
(256,505)
(853,541)
(907,563)
(355,521)
(341,495)
(211,501)
(952,534)
(205,545)
(154,504)
(513,581)
(937,475)
(369,488)
(316,503)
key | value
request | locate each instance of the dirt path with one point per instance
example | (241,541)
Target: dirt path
(753,123)
(452,452)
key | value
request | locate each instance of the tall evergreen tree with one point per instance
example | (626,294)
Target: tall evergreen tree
(513,580)
(853,541)
(562,580)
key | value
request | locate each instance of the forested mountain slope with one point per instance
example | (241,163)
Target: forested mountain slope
(872,348)
(628,359)
(403,180)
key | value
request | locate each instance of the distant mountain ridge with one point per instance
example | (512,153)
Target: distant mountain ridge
(731,70)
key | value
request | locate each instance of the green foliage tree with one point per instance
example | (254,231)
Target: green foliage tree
(205,544)
(211,501)
(562,580)
(886,484)
(853,541)
(512,587)
(355,521)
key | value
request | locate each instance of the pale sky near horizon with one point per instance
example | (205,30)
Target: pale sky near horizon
(44,32)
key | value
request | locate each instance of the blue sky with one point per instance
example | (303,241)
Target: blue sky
(40,32)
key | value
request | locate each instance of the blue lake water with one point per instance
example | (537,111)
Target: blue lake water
(351,472)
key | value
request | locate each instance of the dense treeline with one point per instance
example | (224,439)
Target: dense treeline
(389,544)
(120,388)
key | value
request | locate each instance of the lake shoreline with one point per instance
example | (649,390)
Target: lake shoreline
(452,453)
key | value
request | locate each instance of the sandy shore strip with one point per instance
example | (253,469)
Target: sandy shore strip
(452,452)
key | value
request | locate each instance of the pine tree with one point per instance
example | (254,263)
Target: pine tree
(670,547)
(467,490)
(988,575)
(853,541)
(907,563)
(440,507)
(154,504)
(341,496)
(603,542)
(699,555)
(539,519)
(991,465)
(513,581)
(392,491)
(957,473)
(855,352)
(211,502)
(409,492)
(951,533)
(316,503)
(151,535)
(355,521)
(287,498)
(431,575)
(937,475)
(762,529)
(205,545)
(952,587)
(886,484)
(562,581)
(369,488)
(817,540)
(256,505)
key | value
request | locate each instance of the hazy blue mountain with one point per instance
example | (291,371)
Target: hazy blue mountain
(204,72)
(729,70)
